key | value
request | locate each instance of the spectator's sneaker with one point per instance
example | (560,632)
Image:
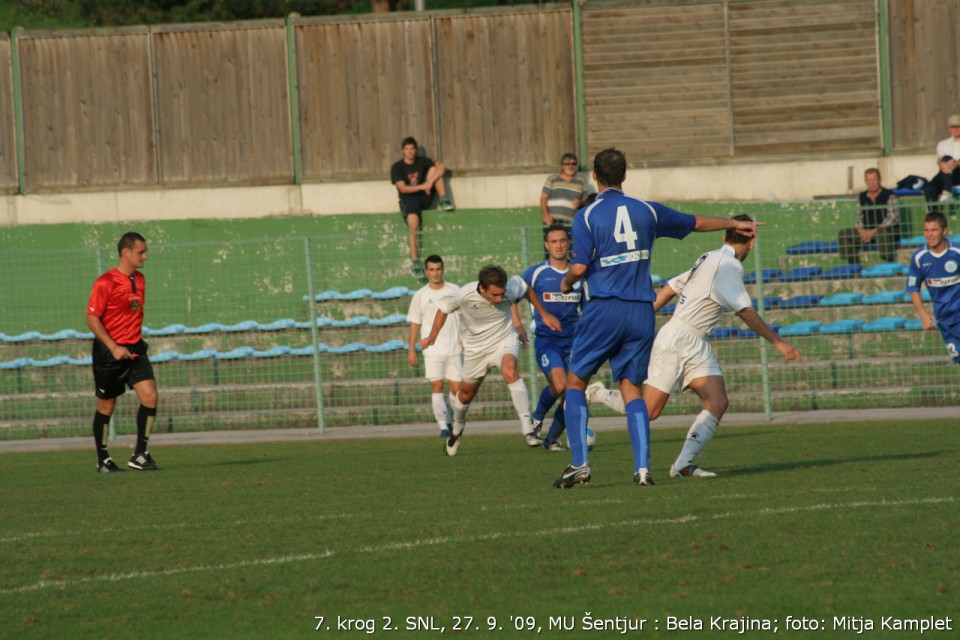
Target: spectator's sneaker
(537,426)
(108,466)
(532,440)
(572,476)
(445,433)
(591,391)
(690,471)
(452,445)
(446,205)
(552,446)
(643,478)
(142,462)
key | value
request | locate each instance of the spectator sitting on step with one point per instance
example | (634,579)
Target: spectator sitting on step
(942,186)
(878,222)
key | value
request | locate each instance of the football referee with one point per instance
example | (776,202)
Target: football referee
(115,315)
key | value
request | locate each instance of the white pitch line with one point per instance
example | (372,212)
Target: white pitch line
(429,542)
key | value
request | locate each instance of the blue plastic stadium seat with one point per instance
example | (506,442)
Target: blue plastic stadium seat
(915,241)
(657,281)
(907,192)
(841,300)
(885,270)
(913,325)
(768,303)
(813,246)
(720,333)
(884,324)
(801,274)
(768,275)
(668,309)
(849,325)
(883,297)
(842,272)
(804,328)
(800,302)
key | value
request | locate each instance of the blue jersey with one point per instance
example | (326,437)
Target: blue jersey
(614,238)
(545,281)
(941,274)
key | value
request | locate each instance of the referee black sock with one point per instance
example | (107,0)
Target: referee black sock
(145,416)
(100,421)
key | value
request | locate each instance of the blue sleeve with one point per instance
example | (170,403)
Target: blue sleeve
(528,275)
(672,223)
(582,240)
(913,275)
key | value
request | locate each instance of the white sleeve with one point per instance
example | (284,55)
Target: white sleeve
(728,288)
(516,289)
(678,282)
(415,314)
(451,302)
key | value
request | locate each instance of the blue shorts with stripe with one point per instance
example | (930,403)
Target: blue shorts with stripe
(951,338)
(552,353)
(621,331)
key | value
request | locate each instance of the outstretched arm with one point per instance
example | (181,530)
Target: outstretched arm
(755,322)
(926,320)
(438,322)
(713,223)
(548,318)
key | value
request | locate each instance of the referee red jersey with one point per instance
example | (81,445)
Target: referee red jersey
(117,300)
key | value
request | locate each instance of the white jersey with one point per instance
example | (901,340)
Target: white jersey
(483,325)
(423,310)
(949,147)
(714,284)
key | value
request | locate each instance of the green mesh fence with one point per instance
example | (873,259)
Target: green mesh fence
(309,331)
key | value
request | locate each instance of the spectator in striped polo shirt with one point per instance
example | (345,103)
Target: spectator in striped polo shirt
(563,193)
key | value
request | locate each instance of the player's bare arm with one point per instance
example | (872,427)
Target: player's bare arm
(438,323)
(753,320)
(574,273)
(412,358)
(117,351)
(518,324)
(926,320)
(712,223)
(544,210)
(664,296)
(548,318)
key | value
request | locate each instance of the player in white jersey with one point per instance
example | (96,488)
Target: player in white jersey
(682,358)
(492,335)
(443,360)
(937,265)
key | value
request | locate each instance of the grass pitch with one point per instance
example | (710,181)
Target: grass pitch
(806,525)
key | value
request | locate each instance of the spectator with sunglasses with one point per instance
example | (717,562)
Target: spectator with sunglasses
(563,193)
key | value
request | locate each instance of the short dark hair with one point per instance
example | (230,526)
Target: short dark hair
(556,226)
(492,274)
(735,237)
(936,216)
(610,167)
(433,259)
(409,140)
(568,156)
(129,240)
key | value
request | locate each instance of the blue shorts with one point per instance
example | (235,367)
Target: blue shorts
(620,331)
(552,353)
(951,338)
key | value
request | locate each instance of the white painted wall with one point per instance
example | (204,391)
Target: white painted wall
(782,181)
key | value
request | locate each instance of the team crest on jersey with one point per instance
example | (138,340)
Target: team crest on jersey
(134,304)
(950,266)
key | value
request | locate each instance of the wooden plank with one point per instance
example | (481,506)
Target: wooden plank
(8,142)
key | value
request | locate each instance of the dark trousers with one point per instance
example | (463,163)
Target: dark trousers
(886,241)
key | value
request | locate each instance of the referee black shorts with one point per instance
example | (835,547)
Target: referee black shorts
(111,377)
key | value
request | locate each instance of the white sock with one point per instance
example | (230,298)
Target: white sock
(700,433)
(521,402)
(459,414)
(613,399)
(439,409)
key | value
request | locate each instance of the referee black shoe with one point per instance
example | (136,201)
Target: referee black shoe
(107,465)
(142,462)
(572,476)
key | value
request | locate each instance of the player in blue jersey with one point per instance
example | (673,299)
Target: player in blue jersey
(554,319)
(938,266)
(612,242)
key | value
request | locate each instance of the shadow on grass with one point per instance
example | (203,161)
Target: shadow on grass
(807,464)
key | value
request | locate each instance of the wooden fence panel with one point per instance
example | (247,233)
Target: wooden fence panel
(87,108)
(8,141)
(507,89)
(656,84)
(363,87)
(924,74)
(223,104)
(804,76)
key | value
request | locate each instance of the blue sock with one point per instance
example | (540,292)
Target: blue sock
(557,427)
(543,405)
(638,426)
(575,415)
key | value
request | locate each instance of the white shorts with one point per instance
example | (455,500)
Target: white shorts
(477,364)
(449,367)
(680,355)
